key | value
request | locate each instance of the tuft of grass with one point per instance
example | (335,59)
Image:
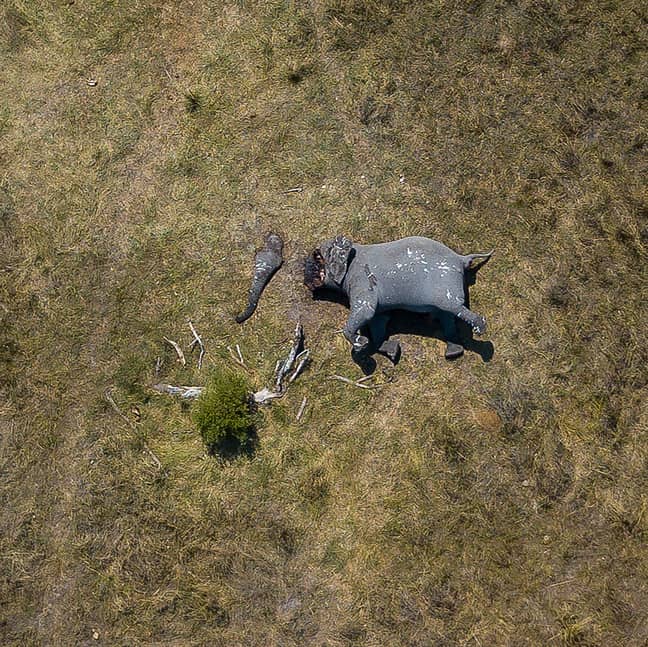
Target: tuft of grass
(193,102)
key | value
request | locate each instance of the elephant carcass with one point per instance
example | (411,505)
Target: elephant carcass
(416,274)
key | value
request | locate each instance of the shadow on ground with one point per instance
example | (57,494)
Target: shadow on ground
(231,448)
(403,322)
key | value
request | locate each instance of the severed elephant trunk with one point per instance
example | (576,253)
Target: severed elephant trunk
(266,262)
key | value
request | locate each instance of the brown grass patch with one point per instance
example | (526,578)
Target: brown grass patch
(494,502)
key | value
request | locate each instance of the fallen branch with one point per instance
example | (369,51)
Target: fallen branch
(301,409)
(168,75)
(239,359)
(265,395)
(156,460)
(197,340)
(366,378)
(286,368)
(178,350)
(358,383)
(116,409)
(131,424)
(185,392)
(158,366)
(303,358)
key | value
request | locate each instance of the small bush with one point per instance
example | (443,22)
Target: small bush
(224,416)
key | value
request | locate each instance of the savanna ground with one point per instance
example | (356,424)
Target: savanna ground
(499,502)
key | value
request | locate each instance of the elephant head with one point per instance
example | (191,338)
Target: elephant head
(327,265)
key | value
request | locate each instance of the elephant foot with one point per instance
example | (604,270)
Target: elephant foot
(479,325)
(360,345)
(366,363)
(453,350)
(391,349)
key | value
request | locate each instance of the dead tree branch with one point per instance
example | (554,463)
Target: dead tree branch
(178,350)
(238,359)
(302,360)
(300,413)
(358,383)
(185,392)
(265,395)
(132,425)
(116,409)
(286,368)
(197,340)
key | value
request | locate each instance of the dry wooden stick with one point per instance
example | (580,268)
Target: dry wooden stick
(346,380)
(158,365)
(168,75)
(296,355)
(265,394)
(239,359)
(185,392)
(302,360)
(116,409)
(178,350)
(289,362)
(197,340)
(366,378)
(130,423)
(341,379)
(156,460)
(301,409)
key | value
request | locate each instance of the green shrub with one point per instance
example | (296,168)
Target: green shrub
(224,416)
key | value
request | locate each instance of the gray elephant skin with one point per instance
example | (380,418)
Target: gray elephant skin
(415,274)
(266,263)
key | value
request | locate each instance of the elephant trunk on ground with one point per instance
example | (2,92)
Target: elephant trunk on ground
(266,262)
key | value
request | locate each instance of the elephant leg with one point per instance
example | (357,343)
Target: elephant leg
(358,318)
(449,325)
(476,321)
(378,330)
(391,349)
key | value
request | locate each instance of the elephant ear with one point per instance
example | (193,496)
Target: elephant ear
(338,259)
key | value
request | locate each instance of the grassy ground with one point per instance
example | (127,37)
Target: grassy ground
(487,503)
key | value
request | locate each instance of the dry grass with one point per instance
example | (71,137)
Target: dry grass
(498,503)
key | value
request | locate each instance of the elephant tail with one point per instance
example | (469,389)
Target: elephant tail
(266,262)
(471,261)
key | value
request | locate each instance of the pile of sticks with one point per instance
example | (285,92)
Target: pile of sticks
(287,370)
(186,392)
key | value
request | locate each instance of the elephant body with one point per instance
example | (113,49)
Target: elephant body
(416,274)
